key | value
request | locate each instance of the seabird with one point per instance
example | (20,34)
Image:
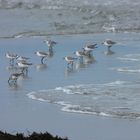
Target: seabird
(42,55)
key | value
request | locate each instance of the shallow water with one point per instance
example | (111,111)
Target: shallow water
(105,84)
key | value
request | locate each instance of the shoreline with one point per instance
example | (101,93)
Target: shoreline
(32,34)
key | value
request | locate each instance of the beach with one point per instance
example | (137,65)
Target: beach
(95,98)
(21,112)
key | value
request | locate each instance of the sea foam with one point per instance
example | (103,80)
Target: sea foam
(114,99)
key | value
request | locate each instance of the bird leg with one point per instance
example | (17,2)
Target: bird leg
(42,60)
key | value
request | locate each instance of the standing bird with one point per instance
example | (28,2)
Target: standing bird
(13,78)
(109,43)
(24,66)
(50,43)
(80,54)
(22,58)
(70,60)
(42,55)
(11,57)
(89,48)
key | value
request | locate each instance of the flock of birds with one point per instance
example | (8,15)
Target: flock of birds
(23,64)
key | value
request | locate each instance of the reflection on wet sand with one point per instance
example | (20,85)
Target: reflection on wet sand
(14,87)
(11,68)
(81,64)
(69,71)
(109,52)
(15,84)
(89,60)
(41,67)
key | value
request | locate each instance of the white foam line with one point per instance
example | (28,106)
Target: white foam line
(118,82)
(66,107)
(68,91)
(43,90)
(128,70)
(64,89)
(104,114)
(132,55)
(18,36)
(62,103)
(128,59)
(59,88)
(31,95)
(40,99)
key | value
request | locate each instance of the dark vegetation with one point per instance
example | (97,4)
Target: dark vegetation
(33,136)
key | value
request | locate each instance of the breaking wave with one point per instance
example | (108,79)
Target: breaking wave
(128,70)
(116,99)
(132,59)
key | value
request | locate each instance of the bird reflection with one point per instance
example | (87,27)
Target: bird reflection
(13,80)
(89,60)
(69,71)
(81,64)
(41,67)
(109,52)
(12,68)
(86,61)
(14,87)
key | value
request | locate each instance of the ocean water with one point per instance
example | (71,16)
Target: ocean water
(106,84)
(116,99)
(51,17)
